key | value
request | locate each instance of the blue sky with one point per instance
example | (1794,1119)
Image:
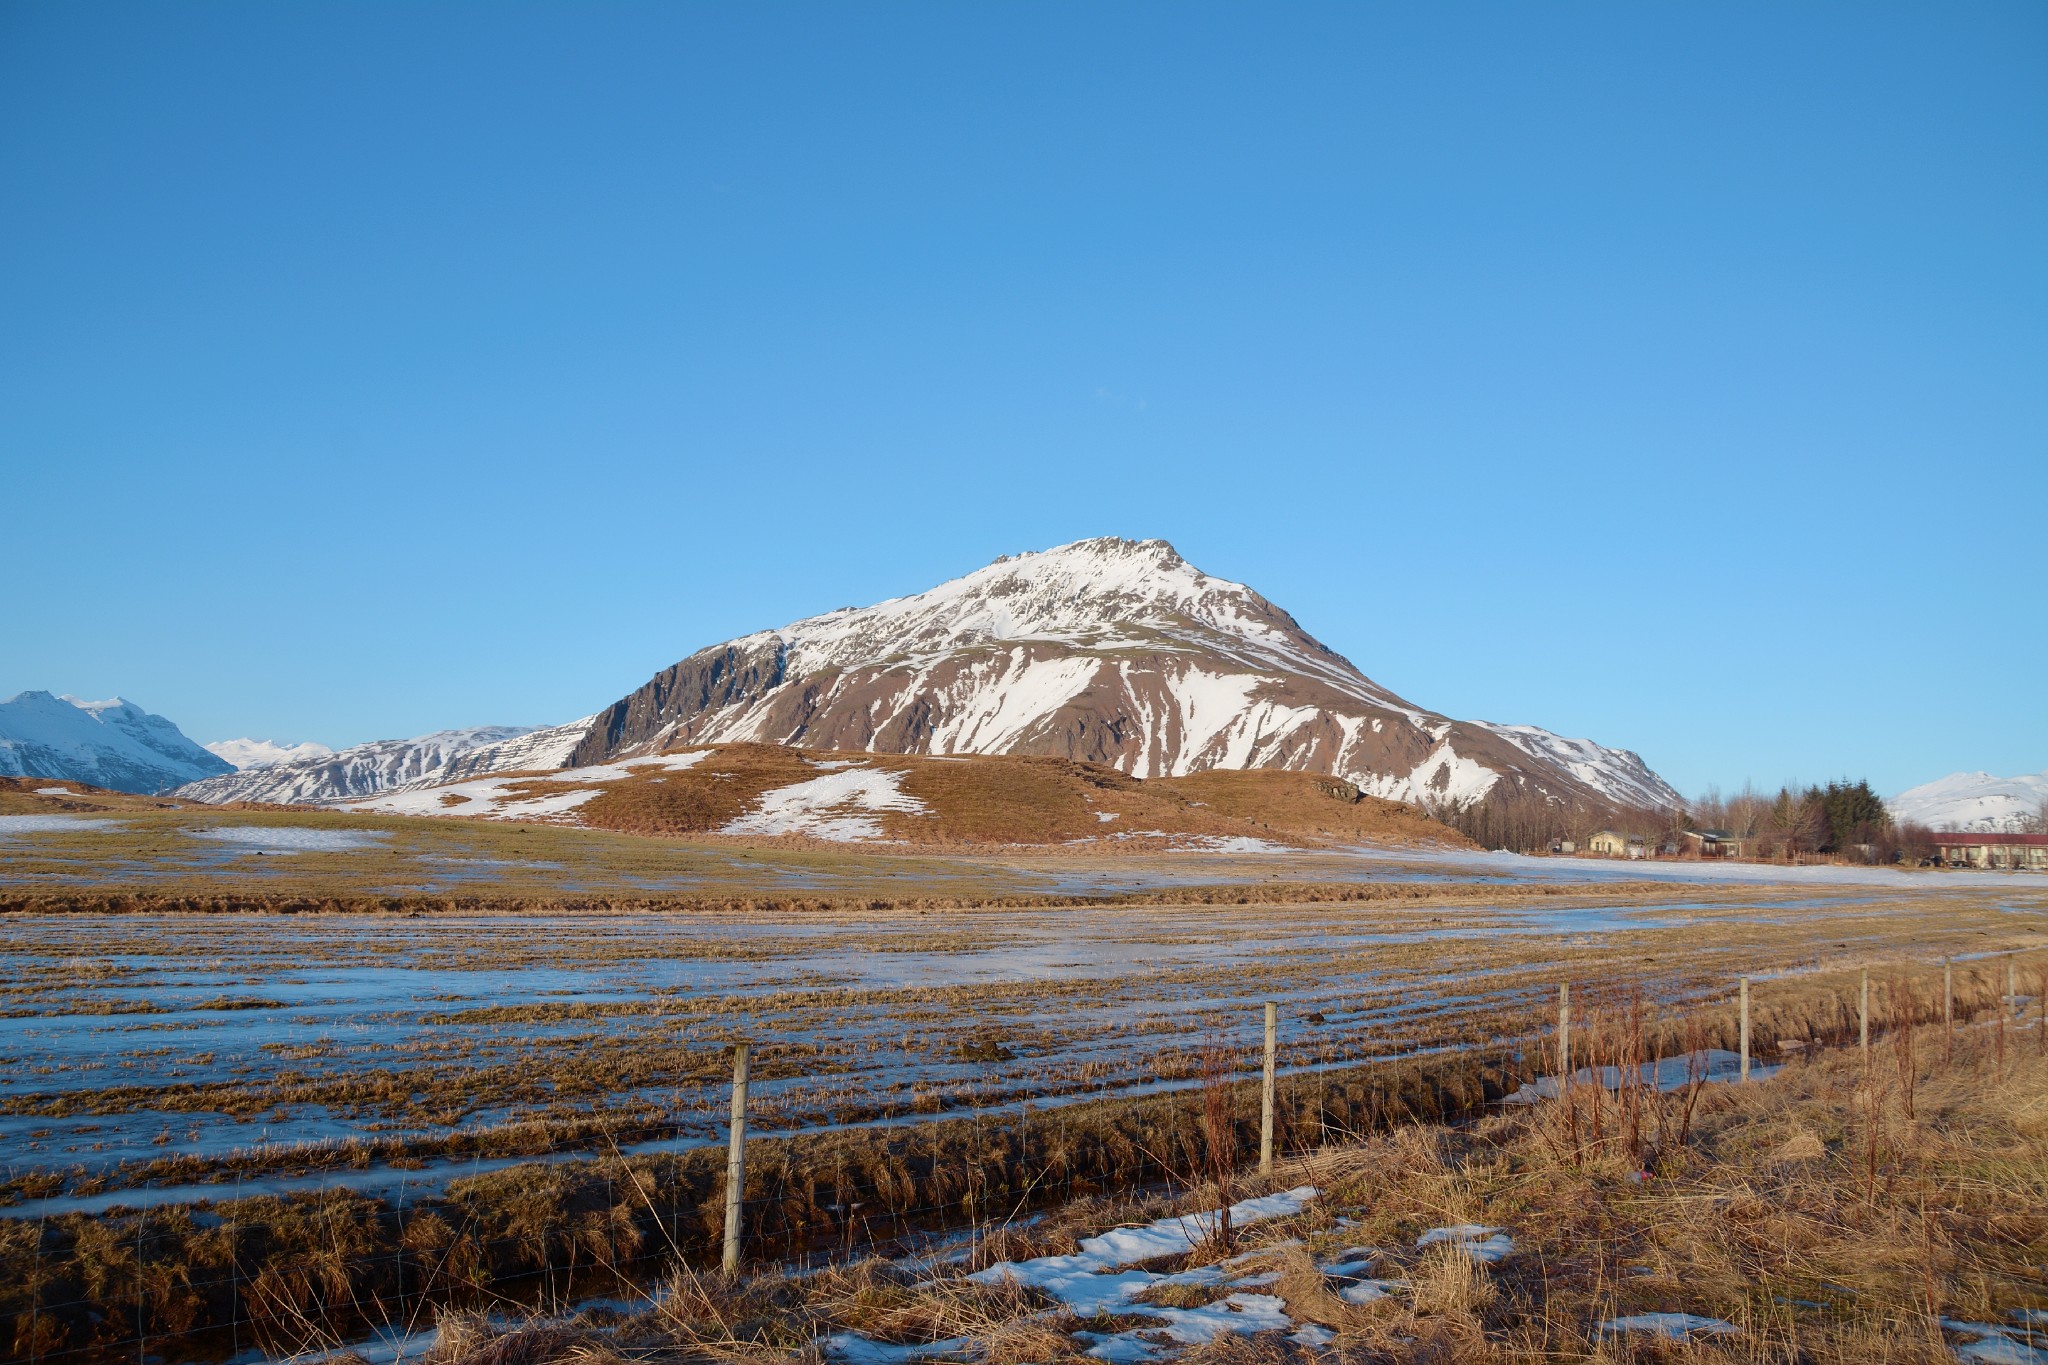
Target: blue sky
(1675,375)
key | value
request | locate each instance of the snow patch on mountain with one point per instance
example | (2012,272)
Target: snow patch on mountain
(248,754)
(1619,773)
(503,798)
(1975,803)
(838,805)
(1108,651)
(113,744)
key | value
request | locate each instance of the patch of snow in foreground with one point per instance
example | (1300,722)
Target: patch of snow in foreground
(57,791)
(839,806)
(859,1350)
(1996,1345)
(54,824)
(1713,1065)
(1098,1278)
(272,840)
(1674,1326)
(1489,1245)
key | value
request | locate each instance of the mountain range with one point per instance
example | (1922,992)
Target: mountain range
(1106,651)
(1975,803)
(113,744)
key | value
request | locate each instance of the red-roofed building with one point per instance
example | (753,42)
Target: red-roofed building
(1993,850)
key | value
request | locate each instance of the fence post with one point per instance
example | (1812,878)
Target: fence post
(1745,1028)
(1863,1018)
(2012,986)
(1564,1033)
(1266,1095)
(736,1160)
(1948,992)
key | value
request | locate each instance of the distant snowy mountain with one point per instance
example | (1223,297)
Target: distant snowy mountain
(1975,802)
(113,744)
(246,754)
(379,766)
(1110,651)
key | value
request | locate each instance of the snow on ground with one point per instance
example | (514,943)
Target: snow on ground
(493,798)
(273,839)
(839,805)
(1673,1326)
(612,772)
(1101,1277)
(1233,843)
(1713,1065)
(54,824)
(1488,1245)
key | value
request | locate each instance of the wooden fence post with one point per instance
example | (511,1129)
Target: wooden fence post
(1948,992)
(1745,1028)
(1564,1034)
(1863,1018)
(736,1160)
(2012,986)
(1266,1095)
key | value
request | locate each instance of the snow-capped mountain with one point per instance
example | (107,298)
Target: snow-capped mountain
(113,744)
(383,765)
(248,754)
(1110,651)
(1975,803)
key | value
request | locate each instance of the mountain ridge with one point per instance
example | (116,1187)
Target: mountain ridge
(113,744)
(1110,651)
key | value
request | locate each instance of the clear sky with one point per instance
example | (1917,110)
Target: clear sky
(1671,374)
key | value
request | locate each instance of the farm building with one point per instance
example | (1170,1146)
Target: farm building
(1993,850)
(1615,844)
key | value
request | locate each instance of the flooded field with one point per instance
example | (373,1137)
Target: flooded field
(195,1054)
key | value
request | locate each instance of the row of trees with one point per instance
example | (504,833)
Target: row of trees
(1843,818)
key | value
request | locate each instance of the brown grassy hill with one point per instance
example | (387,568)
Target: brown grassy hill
(1010,800)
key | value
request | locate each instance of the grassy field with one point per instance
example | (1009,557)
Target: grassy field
(1892,1206)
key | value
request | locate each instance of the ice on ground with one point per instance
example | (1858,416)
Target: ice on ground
(1713,1065)
(839,805)
(1105,816)
(54,824)
(56,791)
(271,839)
(1674,1326)
(1490,1245)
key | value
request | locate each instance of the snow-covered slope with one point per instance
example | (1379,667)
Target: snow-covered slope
(1975,802)
(362,770)
(113,744)
(1110,651)
(245,754)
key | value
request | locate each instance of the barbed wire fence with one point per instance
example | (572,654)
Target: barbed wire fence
(1017,1158)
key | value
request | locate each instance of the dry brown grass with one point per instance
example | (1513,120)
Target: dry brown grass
(1770,1216)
